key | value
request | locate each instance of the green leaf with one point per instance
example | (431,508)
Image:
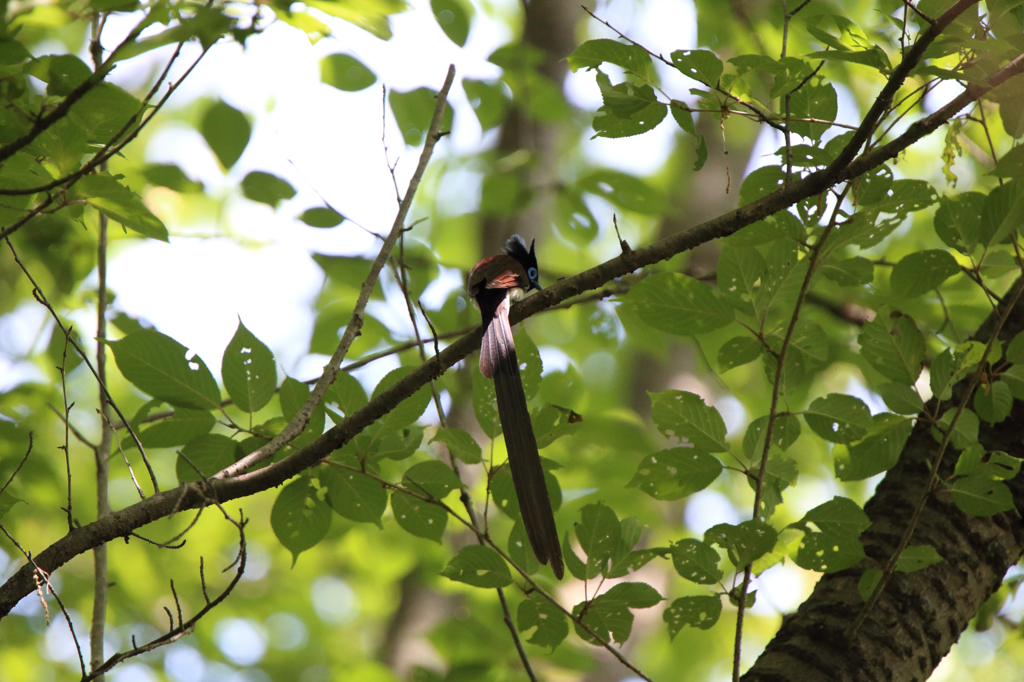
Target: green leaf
(675,303)
(485,406)
(538,612)
(921,272)
(993,402)
(868,582)
(698,612)
(1011,164)
(460,444)
(300,518)
(478,566)
(346,73)
(170,176)
(628,110)
(996,464)
(354,495)
(760,183)
(489,101)
(958,220)
(519,549)
(591,54)
(813,101)
(675,473)
(965,432)
(696,561)
(453,18)
(700,65)
(266,188)
(293,395)
(157,365)
(851,272)
(625,191)
(901,398)
(410,409)
(608,614)
(249,371)
(784,434)
(738,351)
(574,219)
(553,422)
(875,57)
(413,111)
(745,542)
(892,344)
(916,557)
(6,502)
(210,453)
(227,131)
(599,532)
(878,452)
(432,478)
(347,393)
(680,414)
(322,217)
(782,225)
(739,269)
(105,110)
(838,418)
(117,202)
(420,518)
(186,425)
(836,545)
(979,495)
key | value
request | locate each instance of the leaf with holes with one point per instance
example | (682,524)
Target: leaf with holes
(674,303)
(921,272)
(460,444)
(354,495)
(608,614)
(901,398)
(696,561)
(838,418)
(300,518)
(591,54)
(681,414)
(697,612)
(420,518)
(598,532)
(835,545)
(877,453)
(784,433)
(157,364)
(979,495)
(249,371)
(545,622)
(432,478)
(892,344)
(700,65)
(478,566)
(738,351)
(675,473)
(745,542)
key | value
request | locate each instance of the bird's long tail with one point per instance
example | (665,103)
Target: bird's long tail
(498,361)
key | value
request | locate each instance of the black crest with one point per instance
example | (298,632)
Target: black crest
(516,247)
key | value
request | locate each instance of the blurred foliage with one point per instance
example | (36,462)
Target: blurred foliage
(649,403)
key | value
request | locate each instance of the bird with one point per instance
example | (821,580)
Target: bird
(494,283)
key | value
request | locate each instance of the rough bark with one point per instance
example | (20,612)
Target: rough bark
(921,614)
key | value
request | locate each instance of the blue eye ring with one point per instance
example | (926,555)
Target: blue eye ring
(532,274)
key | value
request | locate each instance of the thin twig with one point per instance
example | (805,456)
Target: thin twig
(41,298)
(780,363)
(43,578)
(301,419)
